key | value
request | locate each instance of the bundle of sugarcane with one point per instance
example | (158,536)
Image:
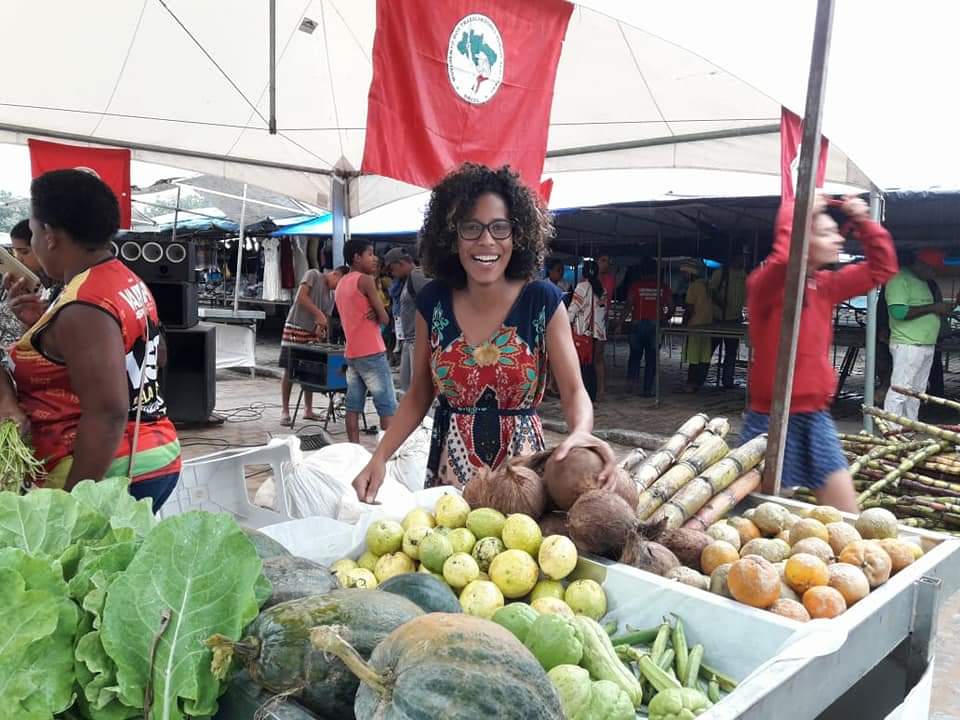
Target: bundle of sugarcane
(715,479)
(646,472)
(696,459)
(724,501)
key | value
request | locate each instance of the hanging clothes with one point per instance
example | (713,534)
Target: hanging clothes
(288,279)
(271,269)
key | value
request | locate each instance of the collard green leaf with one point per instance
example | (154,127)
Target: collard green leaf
(111,499)
(110,554)
(263,590)
(202,569)
(41,522)
(37,680)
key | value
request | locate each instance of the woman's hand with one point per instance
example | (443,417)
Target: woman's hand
(856,208)
(24,303)
(582,439)
(368,482)
(13,411)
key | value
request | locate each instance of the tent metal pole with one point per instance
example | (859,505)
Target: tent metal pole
(769,129)
(176,216)
(243,232)
(656,353)
(795,281)
(870,343)
(338,208)
(273,67)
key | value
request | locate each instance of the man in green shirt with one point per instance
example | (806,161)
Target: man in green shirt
(914,327)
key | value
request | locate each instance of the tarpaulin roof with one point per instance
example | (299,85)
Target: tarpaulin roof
(184,82)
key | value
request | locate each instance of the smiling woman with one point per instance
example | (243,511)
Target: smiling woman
(486,333)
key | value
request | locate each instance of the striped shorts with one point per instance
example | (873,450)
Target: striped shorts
(812,452)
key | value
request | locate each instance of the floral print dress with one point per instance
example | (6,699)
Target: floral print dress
(486,395)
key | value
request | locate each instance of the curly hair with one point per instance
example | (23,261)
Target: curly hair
(79,203)
(454,197)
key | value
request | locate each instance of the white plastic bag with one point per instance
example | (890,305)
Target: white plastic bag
(314,485)
(266,495)
(408,466)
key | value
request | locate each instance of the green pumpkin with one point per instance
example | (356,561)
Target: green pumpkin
(244,700)
(583,699)
(554,640)
(517,617)
(456,667)
(279,657)
(427,591)
(265,545)
(296,577)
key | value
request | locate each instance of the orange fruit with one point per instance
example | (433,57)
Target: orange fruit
(850,581)
(870,558)
(748,531)
(716,554)
(754,581)
(824,602)
(718,580)
(900,552)
(790,609)
(840,534)
(816,547)
(808,527)
(805,571)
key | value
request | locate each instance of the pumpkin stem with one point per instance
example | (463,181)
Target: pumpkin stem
(327,639)
(225,649)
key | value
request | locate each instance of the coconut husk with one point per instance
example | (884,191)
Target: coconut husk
(599,523)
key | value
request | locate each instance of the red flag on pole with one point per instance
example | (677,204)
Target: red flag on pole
(546,189)
(110,165)
(791,135)
(462,80)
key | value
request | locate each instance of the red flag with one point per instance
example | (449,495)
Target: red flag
(462,80)
(110,165)
(791,135)
(546,189)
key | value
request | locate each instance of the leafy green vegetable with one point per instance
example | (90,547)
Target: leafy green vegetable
(111,498)
(41,522)
(37,681)
(202,570)
(109,555)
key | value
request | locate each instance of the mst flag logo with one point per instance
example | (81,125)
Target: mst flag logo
(475,58)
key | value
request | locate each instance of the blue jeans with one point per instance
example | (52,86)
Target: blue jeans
(158,488)
(371,373)
(643,342)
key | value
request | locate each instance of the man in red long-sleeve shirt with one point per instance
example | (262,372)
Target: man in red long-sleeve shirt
(813,456)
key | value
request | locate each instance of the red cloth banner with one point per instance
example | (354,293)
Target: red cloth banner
(110,165)
(546,190)
(791,135)
(462,80)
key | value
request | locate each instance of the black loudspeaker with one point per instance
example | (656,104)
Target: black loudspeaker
(190,375)
(177,303)
(158,260)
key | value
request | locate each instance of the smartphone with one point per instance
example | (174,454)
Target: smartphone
(10,265)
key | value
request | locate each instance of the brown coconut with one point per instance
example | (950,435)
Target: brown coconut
(515,488)
(475,491)
(687,544)
(554,523)
(646,554)
(599,523)
(568,479)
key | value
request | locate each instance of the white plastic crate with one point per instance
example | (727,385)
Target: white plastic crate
(217,483)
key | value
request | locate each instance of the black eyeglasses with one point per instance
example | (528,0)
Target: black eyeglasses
(499,229)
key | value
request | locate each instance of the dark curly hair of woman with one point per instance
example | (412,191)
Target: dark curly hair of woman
(454,197)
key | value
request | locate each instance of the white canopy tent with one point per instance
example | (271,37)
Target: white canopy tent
(185,83)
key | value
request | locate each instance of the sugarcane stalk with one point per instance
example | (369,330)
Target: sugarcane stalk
(710,448)
(875,465)
(941,468)
(916,522)
(908,464)
(924,397)
(915,425)
(632,461)
(695,494)
(863,439)
(923,487)
(660,461)
(724,501)
(719,426)
(883,451)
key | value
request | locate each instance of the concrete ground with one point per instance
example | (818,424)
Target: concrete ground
(251,409)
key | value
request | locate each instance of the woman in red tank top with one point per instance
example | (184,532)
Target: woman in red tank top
(85,373)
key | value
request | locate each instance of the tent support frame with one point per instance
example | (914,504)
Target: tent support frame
(768,129)
(795,281)
(870,343)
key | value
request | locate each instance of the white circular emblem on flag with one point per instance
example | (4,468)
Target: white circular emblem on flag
(475,58)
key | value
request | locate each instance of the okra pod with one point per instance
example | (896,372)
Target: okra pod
(666,660)
(726,682)
(713,690)
(657,678)
(660,643)
(636,637)
(693,666)
(680,650)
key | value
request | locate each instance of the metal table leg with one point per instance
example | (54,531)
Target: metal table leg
(925,609)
